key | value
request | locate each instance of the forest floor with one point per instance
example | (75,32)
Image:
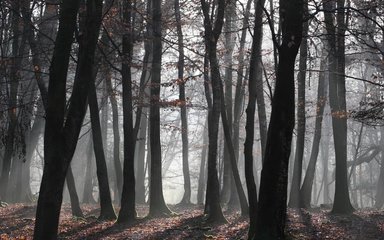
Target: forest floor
(17,222)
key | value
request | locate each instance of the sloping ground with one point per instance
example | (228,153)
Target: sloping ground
(16,222)
(320,224)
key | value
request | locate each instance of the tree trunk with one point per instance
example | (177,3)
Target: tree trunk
(253,85)
(230,11)
(183,108)
(342,203)
(17,49)
(240,82)
(89,171)
(128,212)
(140,159)
(56,157)
(116,133)
(106,211)
(75,204)
(294,197)
(325,156)
(202,172)
(32,139)
(143,114)
(306,188)
(157,206)
(212,33)
(270,222)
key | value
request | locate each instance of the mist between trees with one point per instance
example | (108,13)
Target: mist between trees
(250,105)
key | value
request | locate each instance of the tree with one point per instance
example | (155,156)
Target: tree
(337,101)
(227,195)
(212,32)
(183,108)
(157,206)
(306,188)
(128,211)
(106,209)
(61,134)
(253,84)
(294,197)
(18,46)
(271,215)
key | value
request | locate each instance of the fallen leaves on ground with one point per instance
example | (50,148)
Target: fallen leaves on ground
(17,222)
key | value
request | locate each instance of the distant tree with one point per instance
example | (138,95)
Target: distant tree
(183,108)
(17,49)
(202,172)
(379,200)
(306,188)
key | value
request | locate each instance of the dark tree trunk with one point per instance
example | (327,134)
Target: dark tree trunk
(212,33)
(183,108)
(57,157)
(157,206)
(342,203)
(128,212)
(37,67)
(106,208)
(75,204)
(294,196)
(208,97)
(232,159)
(271,216)
(306,188)
(253,84)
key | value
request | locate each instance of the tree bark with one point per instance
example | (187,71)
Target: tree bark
(128,212)
(342,203)
(75,204)
(183,108)
(116,133)
(306,188)
(212,33)
(157,206)
(106,212)
(57,157)
(270,222)
(253,85)
(230,11)
(294,197)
